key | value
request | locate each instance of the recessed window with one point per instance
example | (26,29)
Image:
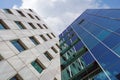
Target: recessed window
(7,11)
(57,45)
(3,25)
(20,25)
(31,16)
(54,49)
(31,10)
(32,25)
(40,26)
(34,40)
(1,58)
(45,26)
(49,36)
(55,78)
(38,66)
(47,54)
(43,37)
(37,17)
(20,12)
(53,35)
(19,45)
(16,77)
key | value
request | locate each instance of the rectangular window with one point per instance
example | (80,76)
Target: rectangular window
(49,36)
(47,54)
(38,66)
(40,26)
(32,25)
(37,17)
(30,10)
(45,26)
(53,35)
(57,45)
(31,16)
(20,12)
(1,58)
(54,49)
(3,25)
(43,37)
(34,40)
(19,45)
(7,11)
(16,77)
(55,78)
(20,25)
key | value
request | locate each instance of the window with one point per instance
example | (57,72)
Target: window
(68,72)
(31,16)
(20,25)
(45,26)
(20,12)
(43,37)
(53,35)
(49,36)
(1,58)
(34,40)
(31,10)
(32,25)
(3,25)
(54,49)
(55,78)
(57,45)
(16,77)
(40,26)
(7,11)
(19,45)
(37,17)
(38,66)
(47,54)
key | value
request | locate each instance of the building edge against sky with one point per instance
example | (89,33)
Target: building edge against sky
(90,46)
(29,49)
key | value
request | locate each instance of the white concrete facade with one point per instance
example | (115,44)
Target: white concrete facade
(13,62)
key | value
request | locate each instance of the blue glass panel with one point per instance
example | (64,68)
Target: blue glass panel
(2,26)
(78,46)
(17,44)
(37,66)
(114,71)
(88,59)
(34,41)
(101,76)
(112,40)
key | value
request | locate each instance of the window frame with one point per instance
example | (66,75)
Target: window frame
(38,64)
(36,42)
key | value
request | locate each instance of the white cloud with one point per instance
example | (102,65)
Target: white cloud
(58,14)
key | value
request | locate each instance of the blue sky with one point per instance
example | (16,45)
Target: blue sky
(58,14)
(10,3)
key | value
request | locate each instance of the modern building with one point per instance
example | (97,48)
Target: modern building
(90,46)
(29,50)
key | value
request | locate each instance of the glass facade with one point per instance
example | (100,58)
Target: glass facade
(98,30)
